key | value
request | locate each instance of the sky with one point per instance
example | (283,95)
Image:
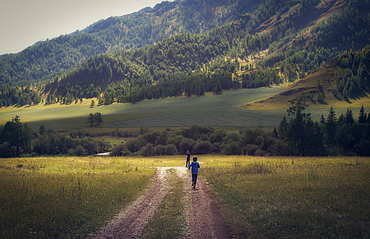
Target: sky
(25,22)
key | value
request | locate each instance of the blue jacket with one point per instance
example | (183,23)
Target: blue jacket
(194,167)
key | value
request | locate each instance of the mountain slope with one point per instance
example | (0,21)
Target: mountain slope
(278,41)
(48,59)
(343,81)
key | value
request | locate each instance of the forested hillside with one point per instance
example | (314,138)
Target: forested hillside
(225,45)
(148,26)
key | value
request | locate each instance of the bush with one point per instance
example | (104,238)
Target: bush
(132,145)
(232,148)
(80,151)
(259,152)
(186,144)
(147,150)
(160,150)
(202,147)
(119,150)
(171,150)
(5,150)
(71,152)
(251,149)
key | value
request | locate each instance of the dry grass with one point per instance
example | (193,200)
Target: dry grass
(293,197)
(69,197)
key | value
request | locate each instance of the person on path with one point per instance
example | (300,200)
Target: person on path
(194,170)
(187,158)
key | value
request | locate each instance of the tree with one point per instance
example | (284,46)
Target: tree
(17,120)
(90,119)
(42,129)
(331,126)
(98,118)
(302,134)
(18,136)
(362,115)
(349,117)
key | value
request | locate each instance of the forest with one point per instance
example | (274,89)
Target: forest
(226,55)
(347,134)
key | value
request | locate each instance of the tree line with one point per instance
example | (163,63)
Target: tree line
(296,135)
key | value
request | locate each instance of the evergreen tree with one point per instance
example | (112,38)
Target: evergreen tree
(349,117)
(362,116)
(301,131)
(331,126)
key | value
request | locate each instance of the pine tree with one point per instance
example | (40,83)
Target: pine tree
(362,115)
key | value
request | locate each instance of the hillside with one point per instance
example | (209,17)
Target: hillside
(54,57)
(344,81)
(251,45)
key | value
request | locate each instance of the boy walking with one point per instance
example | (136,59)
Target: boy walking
(194,170)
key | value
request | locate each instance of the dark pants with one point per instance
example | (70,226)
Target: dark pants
(194,178)
(187,163)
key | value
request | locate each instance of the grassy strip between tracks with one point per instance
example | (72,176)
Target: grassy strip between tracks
(169,220)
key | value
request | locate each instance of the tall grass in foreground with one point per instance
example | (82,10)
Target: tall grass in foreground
(293,197)
(67,197)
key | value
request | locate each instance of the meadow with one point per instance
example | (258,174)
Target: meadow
(210,110)
(69,197)
(287,197)
(260,197)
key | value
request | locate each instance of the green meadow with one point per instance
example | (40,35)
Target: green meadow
(69,197)
(209,110)
(259,197)
(288,197)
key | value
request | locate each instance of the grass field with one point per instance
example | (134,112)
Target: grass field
(69,197)
(290,197)
(209,110)
(262,197)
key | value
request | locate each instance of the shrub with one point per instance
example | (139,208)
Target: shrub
(71,152)
(186,144)
(251,149)
(132,145)
(119,150)
(160,150)
(171,150)
(147,150)
(80,151)
(259,152)
(5,150)
(232,148)
(202,147)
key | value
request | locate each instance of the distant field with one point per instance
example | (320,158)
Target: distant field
(210,110)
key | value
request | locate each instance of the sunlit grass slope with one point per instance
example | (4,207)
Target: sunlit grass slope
(209,110)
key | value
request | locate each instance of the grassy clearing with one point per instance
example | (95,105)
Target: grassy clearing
(293,197)
(69,197)
(170,112)
(170,221)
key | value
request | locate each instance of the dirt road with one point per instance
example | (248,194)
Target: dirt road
(204,220)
